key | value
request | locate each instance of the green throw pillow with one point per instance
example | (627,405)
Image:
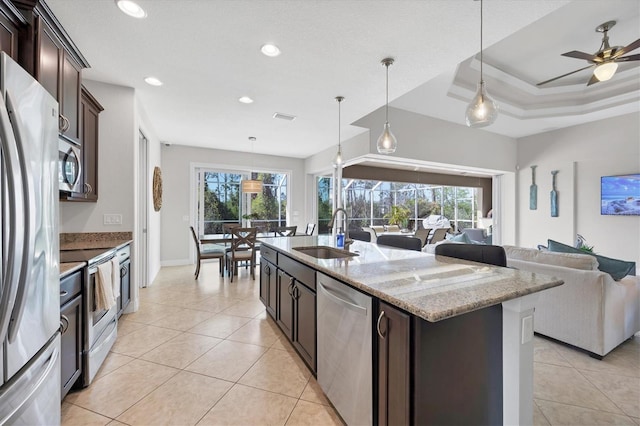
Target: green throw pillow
(460,238)
(618,269)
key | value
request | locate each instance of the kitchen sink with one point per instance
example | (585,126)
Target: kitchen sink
(325,252)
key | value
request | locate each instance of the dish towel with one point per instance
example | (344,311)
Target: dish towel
(115,277)
(107,284)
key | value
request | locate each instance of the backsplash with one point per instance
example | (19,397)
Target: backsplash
(73,237)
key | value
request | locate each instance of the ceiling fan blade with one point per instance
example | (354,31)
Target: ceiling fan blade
(635,57)
(564,75)
(593,80)
(629,48)
(581,55)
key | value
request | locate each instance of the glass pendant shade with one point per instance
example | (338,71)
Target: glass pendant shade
(337,160)
(251,186)
(387,142)
(604,72)
(483,110)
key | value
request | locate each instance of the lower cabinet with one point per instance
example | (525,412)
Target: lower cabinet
(284,311)
(394,364)
(71,327)
(268,278)
(125,286)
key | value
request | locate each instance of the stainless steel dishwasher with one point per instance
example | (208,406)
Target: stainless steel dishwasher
(344,349)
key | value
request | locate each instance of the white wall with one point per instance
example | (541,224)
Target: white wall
(600,148)
(177,162)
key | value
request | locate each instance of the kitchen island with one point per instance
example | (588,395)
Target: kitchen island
(453,341)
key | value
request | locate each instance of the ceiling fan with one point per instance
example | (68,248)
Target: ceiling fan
(605,60)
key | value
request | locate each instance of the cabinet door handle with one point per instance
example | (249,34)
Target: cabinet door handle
(64,324)
(296,293)
(63,293)
(123,271)
(382,336)
(267,269)
(63,123)
(290,288)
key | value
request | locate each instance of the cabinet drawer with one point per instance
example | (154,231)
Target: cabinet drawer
(269,254)
(70,286)
(300,272)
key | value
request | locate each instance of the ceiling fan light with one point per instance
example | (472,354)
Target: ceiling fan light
(483,110)
(387,142)
(604,72)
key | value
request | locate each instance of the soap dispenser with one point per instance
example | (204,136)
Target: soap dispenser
(340,239)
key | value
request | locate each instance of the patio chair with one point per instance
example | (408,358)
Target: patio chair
(310,228)
(438,235)
(423,235)
(285,231)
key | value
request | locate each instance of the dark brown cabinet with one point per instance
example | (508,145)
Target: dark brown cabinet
(10,23)
(393,342)
(71,326)
(125,286)
(284,311)
(268,286)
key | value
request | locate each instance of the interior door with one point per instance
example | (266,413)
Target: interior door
(143,218)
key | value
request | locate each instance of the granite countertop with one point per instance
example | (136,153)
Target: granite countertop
(94,245)
(431,287)
(67,268)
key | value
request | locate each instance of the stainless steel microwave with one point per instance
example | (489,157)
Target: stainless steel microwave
(69,167)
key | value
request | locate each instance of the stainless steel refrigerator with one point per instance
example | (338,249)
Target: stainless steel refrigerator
(29,278)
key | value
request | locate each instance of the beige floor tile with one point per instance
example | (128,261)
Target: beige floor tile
(244,405)
(313,393)
(228,360)
(546,353)
(215,304)
(72,415)
(149,313)
(283,344)
(112,362)
(183,320)
(562,414)
(219,325)
(143,340)
(623,361)
(246,308)
(624,391)
(310,414)
(182,400)
(126,326)
(257,332)
(538,418)
(568,386)
(182,350)
(114,393)
(636,419)
(278,371)
(116,423)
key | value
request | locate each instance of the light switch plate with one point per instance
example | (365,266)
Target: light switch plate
(527,329)
(112,219)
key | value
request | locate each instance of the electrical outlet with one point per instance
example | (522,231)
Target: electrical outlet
(112,219)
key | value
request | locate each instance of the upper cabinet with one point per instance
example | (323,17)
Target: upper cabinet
(11,22)
(47,52)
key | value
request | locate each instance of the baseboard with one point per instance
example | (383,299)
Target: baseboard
(176,262)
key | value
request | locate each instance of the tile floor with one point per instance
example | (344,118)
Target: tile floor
(204,352)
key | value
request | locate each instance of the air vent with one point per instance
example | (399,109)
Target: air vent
(284,116)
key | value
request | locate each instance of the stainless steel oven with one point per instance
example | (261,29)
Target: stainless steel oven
(69,167)
(101,325)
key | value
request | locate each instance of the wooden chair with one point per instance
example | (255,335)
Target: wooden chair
(423,235)
(243,249)
(310,228)
(400,241)
(493,255)
(438,235)
(206,253)
(285,231)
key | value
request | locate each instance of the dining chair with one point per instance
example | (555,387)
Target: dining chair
(492,255)
(285,231)
(438,235)
(423,235)
(207,253)
(310,228)
(360,235)
(400,241)
(243,249)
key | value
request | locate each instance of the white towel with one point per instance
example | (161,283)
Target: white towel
(104,287)
(115,277)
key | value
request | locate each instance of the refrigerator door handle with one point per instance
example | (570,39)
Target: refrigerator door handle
(15,224)
(28,249)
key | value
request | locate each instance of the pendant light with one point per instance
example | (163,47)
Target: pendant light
(482,111)
(252,186)
(387,143)
(337,160)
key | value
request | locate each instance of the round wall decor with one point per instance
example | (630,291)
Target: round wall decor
(157,188)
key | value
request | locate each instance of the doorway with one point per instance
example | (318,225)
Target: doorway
(143,211)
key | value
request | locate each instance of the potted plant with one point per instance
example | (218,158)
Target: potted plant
(398,215)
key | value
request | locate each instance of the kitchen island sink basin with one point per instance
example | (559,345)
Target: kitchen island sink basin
(324,252)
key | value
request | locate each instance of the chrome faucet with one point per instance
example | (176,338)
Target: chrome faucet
(347,240)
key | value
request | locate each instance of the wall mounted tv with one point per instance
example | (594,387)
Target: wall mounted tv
(620,195)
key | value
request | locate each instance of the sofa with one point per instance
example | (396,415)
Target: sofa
(590,310)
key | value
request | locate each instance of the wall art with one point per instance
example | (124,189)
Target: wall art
(554,194)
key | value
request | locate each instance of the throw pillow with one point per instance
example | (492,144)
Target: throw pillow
(618,269)
(460,238)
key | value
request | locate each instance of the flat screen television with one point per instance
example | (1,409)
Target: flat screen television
(620,195)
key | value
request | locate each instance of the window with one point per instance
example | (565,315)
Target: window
(220,200)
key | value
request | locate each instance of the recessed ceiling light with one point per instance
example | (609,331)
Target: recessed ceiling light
(153,81)
(245,100)
(131,8)
(270,50)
